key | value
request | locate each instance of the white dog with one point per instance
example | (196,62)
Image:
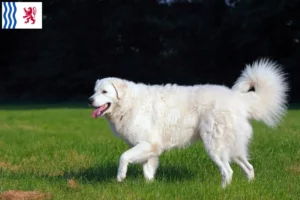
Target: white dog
(152,119)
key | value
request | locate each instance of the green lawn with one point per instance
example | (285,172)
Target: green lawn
(43,147)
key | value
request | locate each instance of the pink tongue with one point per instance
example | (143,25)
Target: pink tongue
(97,112)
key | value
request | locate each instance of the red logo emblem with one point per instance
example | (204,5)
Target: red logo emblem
(30,14)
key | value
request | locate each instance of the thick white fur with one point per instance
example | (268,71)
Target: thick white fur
(152,119)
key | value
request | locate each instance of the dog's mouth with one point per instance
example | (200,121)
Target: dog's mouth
(100,110)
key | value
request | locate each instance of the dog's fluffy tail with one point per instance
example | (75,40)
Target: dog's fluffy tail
(268,101)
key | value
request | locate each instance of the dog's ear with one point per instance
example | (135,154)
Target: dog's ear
(97,83)
(120,87)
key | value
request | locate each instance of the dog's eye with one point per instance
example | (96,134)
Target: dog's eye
(104,91)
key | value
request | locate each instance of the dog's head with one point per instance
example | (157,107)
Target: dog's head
(107,94)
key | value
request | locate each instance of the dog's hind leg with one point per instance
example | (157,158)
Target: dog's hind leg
(150,167)
(228,168)
(246,166)
(225,169)
(241,148)
(140,153)
(216,141)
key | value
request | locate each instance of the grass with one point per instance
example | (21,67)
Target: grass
(64,152)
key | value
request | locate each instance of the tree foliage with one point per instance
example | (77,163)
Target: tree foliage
(184,42)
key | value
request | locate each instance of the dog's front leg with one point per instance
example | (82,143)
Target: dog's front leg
(137,154)
(149,168)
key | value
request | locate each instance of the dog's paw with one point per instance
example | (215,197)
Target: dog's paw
(120,178)
(224,185)
(149,179)
(251,175)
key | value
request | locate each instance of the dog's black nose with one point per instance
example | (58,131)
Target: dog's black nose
(91,100)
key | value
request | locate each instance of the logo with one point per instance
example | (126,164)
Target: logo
(30,14)
(22,15)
